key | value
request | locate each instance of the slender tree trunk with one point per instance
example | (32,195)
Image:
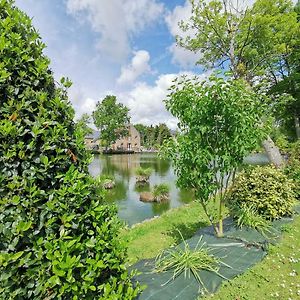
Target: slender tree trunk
(273,153)
(297,126)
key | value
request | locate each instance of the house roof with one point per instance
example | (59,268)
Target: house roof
(95,135)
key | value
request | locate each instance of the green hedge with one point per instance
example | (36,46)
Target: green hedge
(57,241)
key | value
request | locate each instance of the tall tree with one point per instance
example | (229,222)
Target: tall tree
(219,123)
(248,41)
(111,118)
(287,81)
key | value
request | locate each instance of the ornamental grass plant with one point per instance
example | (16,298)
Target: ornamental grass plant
(187,261)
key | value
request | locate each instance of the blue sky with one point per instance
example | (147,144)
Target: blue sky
(120,47)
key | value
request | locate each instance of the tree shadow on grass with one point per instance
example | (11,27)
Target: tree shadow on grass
(187,230)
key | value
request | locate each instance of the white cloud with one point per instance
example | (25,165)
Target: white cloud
(138,66)
(146,101)
(180,56)
(116,21)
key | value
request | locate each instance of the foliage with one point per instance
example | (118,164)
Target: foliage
(57,240)
(265,189)
(111,118)
(282,142)
(257,43)
(293,167)
(188,261)
(249,217)
(83,124)
(161,189)
(249,40)
(220,124)
(101,180)
(153,136)
(146,172)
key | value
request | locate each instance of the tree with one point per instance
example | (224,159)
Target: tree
(287,82)
(153,136)
(58,241)
(111,118)
(248,41)
(219,125)
(83,124)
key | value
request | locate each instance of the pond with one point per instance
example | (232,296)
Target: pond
(126,194)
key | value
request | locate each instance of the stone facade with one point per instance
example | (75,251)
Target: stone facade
(92,141)
(132,142)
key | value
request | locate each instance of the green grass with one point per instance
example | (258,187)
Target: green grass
(147,239)
(276,277)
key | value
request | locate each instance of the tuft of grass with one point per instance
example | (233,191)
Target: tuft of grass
(249,217)
(188,261)
(143,172)
(148,238)
(161,190)
(100,180)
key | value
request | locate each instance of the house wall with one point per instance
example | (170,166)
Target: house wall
(130,142)
(91,144)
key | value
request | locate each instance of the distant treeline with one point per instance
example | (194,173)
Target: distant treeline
(153,136)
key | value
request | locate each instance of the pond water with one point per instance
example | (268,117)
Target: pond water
(126,194)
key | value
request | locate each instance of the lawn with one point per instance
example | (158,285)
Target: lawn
(276,277)
(146,239)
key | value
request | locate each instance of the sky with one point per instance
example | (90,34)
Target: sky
(124,48)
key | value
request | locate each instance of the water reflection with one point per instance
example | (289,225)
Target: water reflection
(126,194)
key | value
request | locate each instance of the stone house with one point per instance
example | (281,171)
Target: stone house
(92,141)
(131,142)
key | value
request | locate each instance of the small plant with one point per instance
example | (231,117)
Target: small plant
(161,190)
(104,181)
(143,175)
(188,261)
(143,172)
(266,189)
(248,216)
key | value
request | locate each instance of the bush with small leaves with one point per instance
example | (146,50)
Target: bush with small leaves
(264,188)
(57,240)
(292,168)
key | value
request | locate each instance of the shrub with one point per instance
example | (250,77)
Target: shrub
(56,240)
(143,172)
(161,190)
(265,189)
(292,168)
